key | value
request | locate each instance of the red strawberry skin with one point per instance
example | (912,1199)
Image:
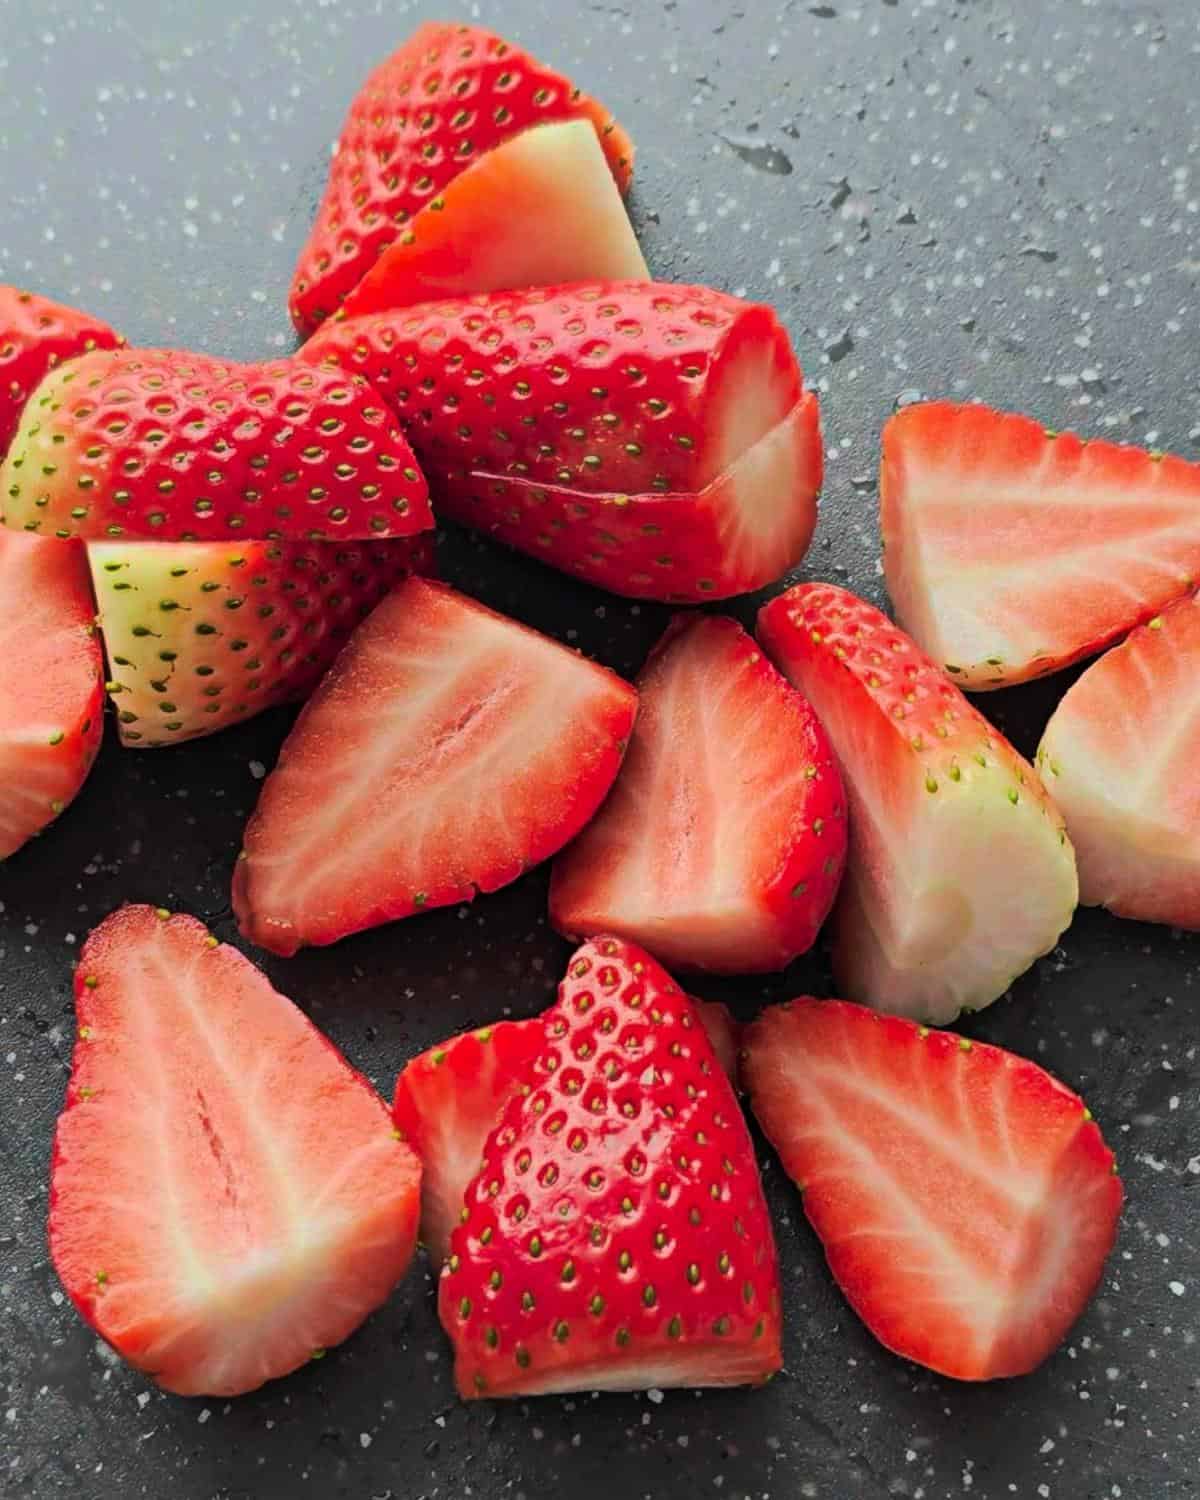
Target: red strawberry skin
(722,844)
(653,439)
(436,105)
(965,1199)
(616,1236)
(228,1196)
(168,446)
(37,335)
(447,751)
(51,683)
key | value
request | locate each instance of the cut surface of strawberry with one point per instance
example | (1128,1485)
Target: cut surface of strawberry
(540,209)
(1119,755)
(51,684)
(965,1199)
(36,336)
(960,873)
(162,445)
(653,439)
(201,635)
(228,1196)
(616,1236)
(447,751)
(1011,551)
(722,843)
(426,115)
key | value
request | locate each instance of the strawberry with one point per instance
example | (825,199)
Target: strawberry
(449,1098)
(539,209)
(151,443)
(228,1197)
(36,336)
(653,439)
(447,97)
(51,683)
(722,844)
(201,635)
(615,1236)
(1119,755)
(959,873)
(965,1199)
(447,751)
(1011,551)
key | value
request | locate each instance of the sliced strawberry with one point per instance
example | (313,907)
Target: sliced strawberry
(36,336)
(437,106)
(959,872)
(201,635)
(448,750)
(1120,755)
(540,209)
(51,683)
(153,443)
(449,1099)
(616,1236)
(965,1199)
(228,1196)
(1011,551)
(653,439)
(722,844)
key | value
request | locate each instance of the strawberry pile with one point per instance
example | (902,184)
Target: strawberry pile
(204,539)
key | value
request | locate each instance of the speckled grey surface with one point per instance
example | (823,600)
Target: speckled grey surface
(990,197)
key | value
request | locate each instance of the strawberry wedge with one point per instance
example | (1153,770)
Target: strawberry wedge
(653,439)
(722,844)
(448,750)
(429,115)
(965,1199)
(228,1197)
(959,873)
(1011,551)
(1120,755)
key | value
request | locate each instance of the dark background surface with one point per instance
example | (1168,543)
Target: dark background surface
(990,197)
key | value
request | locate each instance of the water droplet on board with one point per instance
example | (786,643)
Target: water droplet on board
(761,155)
(908,397)
(838,349)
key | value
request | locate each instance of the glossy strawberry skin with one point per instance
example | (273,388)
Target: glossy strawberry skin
(446,96)
(162,445)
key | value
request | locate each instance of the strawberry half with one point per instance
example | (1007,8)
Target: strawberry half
(723,841)
(1120,755)
(960,873)
(540,209)
(616,1236)
(1011,551)
(653,439)
(201,635)
(447,751)
(427,114)
(965,1199)
(152,443)
(228,1197)
(51,683)
(36,336)
(449,1099)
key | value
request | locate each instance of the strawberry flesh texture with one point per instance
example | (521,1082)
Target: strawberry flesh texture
(653,439)
(228,1196)
(51,683)
(443,99)
(965,1200)
(1011,552)
(201,635)
(959,872)
(447,751)
(1119,756)
(167,446)
(616,1236)
(722,844)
